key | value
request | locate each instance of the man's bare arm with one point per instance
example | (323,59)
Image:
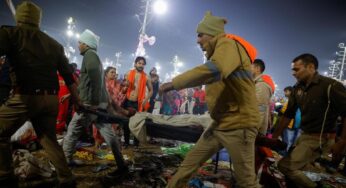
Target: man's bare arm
(150,89)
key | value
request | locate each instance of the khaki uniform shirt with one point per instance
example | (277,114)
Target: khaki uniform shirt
(230,89)
(263,95)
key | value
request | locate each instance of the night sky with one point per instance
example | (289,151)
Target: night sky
(280,30)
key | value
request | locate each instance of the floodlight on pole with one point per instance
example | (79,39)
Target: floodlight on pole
(160,7)
(117,60)
(143,37)
(71,36)
(69,33)
(176,65)
(70,20)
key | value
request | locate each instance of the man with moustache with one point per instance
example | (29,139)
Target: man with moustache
(231,100)
(320,100)
(137,96)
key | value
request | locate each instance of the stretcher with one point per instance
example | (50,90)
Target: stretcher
(189,134)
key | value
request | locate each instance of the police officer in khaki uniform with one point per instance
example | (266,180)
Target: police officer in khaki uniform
(35,58)
(264,92)
(231,100)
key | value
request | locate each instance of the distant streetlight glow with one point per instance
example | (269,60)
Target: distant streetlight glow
(72,35)
(160,7)
(69,33)
(158,67)
(70,20)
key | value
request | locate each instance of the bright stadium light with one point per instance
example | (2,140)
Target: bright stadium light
(160,7)
(70,20)
(69,33)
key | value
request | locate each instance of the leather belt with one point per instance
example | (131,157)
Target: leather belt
(27,91)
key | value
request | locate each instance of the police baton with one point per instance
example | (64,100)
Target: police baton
(104,116)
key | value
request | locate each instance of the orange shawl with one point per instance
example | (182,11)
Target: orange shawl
(267,79)
(141,90)
(249,48)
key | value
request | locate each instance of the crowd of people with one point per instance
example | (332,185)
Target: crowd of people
(231,87)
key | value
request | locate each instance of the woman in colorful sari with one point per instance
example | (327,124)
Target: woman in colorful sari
(117,96)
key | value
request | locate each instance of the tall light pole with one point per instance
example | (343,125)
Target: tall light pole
(107,63)
(176,65)
(342,46)
(144,25)
(117,60)
(158,67)
(333,68)
(71,34)
(159,6)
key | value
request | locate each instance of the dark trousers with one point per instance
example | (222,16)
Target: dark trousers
(42,110)
(199,109)
(4,93)
(152,105)
(129,104)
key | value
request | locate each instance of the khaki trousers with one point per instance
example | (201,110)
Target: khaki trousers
(306,151)
(240,144)
(42,110)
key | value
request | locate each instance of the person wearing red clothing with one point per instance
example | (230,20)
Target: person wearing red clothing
(114,86)
(117,95)
(199,96)
(63,96)
(64,103)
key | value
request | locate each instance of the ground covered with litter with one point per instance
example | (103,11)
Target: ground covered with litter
(152,165)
